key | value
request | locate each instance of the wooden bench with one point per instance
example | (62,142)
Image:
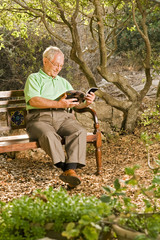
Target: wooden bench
(13,112)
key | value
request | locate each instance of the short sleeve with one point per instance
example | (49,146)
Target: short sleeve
(32,87)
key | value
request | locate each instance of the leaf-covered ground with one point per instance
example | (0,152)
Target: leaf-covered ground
(32,170)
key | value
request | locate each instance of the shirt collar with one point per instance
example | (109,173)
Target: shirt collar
(46,75)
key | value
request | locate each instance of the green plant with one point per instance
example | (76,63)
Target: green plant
(88,227)
(149,117)
(26,217)
(146,220)
(149,140)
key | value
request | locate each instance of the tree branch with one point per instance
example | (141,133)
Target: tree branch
(102,47)
(145,37)
(62,15)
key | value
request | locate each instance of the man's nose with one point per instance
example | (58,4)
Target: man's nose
(59,68)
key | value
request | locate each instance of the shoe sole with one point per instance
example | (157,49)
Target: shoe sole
(74,181)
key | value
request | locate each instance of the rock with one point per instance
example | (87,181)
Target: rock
(117,118)
(108,118)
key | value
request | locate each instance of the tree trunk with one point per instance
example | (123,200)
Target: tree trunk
(103,25)
(130,116)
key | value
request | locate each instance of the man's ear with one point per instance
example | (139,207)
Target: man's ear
(44,61)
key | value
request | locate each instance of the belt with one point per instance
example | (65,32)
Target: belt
(45,110)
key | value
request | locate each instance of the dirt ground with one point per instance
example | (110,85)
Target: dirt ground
(32,170)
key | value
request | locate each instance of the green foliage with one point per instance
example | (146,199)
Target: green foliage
(149,117)
(149,140)
(19,58)
(148,221)
(130,42)
(26,217)
(88,227)
(71,231)
(146,138)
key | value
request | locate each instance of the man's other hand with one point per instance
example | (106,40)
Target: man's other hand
(90,98)
(67,103)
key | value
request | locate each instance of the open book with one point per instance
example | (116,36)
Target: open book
(79,94)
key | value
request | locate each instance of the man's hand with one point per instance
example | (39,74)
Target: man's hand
(89,98)
(67,103)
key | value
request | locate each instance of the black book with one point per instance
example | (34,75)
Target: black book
(79,94)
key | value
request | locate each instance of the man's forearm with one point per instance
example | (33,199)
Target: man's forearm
(40,102)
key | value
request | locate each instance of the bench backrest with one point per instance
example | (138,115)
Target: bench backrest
(12,105)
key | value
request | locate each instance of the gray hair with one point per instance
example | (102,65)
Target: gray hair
(51,51)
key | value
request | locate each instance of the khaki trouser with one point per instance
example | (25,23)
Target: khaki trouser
(49,127)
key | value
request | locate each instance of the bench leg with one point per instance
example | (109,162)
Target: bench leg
(98,153)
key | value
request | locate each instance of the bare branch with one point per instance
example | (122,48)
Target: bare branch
(144,34)
(121,105)
(62,13)
(103,53)
(145,37)
(91,29)
(53,32)
(75,14)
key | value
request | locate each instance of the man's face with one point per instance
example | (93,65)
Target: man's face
(54,66)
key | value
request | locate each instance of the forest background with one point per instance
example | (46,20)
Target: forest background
(92,35)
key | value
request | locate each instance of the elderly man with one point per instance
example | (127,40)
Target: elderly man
(48,120)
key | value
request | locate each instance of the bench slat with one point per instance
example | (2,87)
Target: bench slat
(14,138)
(19,147)
(17,144)
(8,140)
(8,143)
(12,93)
(17,101)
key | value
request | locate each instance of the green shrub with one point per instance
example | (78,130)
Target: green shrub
(130,216)
(26,217)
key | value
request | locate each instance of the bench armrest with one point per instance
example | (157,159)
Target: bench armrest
(94,116)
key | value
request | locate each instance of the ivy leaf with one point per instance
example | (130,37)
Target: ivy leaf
(117,184)
(105,198)
(156,179)
(119,194)
(90,233)
(131,181)
(70,226)
(147,203)
(71,231)
(108,189)
(85,220)
(131,171)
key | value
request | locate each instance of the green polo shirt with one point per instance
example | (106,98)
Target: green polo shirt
(41,85)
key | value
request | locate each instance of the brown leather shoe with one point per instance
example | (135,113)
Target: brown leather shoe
(70,176)
(70,187)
